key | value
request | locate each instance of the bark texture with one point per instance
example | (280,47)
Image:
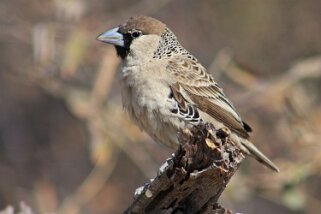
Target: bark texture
(192,180)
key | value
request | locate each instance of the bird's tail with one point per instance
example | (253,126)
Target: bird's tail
(253,151)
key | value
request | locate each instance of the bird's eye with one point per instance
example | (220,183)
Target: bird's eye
(136,33)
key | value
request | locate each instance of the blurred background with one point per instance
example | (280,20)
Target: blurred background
(66,146)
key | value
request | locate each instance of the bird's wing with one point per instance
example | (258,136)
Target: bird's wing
(194,86)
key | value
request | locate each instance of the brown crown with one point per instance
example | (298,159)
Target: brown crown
(147,25)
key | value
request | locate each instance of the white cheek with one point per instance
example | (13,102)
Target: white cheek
(144,46)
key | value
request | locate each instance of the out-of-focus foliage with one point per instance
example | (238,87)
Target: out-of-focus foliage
(66,146)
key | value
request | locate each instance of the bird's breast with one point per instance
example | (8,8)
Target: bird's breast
(145,97)
(144,93)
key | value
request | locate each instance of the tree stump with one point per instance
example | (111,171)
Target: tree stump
(192,180)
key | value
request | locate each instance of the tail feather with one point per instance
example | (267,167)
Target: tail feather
(253,151)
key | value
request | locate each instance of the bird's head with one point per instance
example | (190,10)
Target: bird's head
(140,36)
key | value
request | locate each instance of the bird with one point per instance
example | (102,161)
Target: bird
(164,88)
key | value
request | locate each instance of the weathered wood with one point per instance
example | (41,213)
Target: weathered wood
(192,180)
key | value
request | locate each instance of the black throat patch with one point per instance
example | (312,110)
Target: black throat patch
(124,51)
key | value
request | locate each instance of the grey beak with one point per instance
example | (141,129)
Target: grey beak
(112,36)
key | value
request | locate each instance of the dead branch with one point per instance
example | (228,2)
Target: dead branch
(194,178)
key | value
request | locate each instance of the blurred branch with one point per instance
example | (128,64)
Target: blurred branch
(104,78)
(194,178)
(263,91)
(104,153)
(277,88)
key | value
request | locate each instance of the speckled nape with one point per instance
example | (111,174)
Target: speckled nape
(169,46)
